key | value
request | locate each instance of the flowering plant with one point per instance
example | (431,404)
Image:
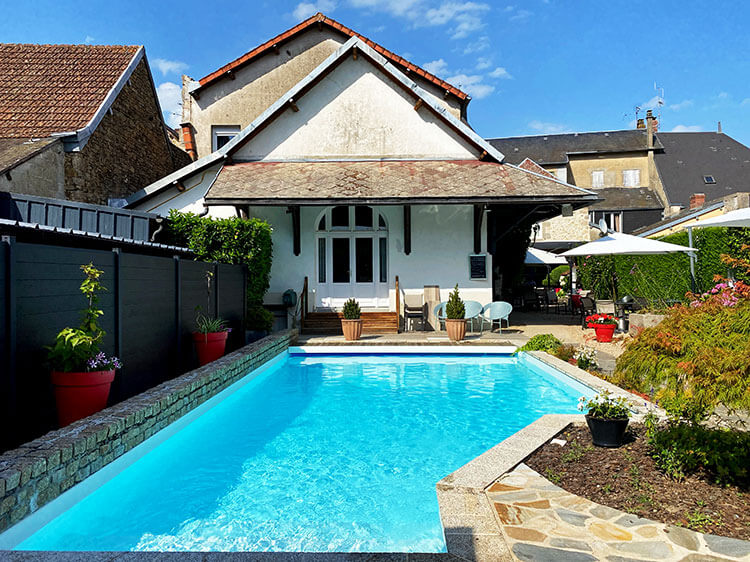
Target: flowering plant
(723,293)
(601,319)
(100,362)
(585,358)
(605,406)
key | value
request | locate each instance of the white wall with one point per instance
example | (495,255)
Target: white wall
(442,237)
(356,112)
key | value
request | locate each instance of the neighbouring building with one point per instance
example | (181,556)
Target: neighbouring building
(365,167)
(644,177)
(81,122)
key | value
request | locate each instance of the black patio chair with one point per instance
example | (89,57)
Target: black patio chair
(588,307)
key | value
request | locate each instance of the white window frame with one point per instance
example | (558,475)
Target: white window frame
(636,173)
(597,174)
(223,131)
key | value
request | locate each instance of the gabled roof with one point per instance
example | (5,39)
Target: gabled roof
(529,165)
(17,151)
(323,20)
(688,157)
(626,199)
(554,149)
(50,90)
(223,155)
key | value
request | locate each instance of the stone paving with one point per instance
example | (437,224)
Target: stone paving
(542,522)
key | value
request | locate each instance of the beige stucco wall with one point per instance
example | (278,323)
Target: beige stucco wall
(356,112)
(260,83)
(580,168)
(566,228)
(42,175)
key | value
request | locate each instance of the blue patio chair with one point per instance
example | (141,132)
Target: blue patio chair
(498,310)
(440,314)
(473,310)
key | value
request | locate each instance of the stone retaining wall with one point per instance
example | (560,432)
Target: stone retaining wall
(39,471)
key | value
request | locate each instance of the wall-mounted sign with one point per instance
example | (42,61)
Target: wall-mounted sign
(478,266)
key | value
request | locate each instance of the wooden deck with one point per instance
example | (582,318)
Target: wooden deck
(329,323)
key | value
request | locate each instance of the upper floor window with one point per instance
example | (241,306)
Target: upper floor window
(631,178)
(597,178)
(222,134)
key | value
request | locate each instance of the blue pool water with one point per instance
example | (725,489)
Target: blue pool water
(317,453)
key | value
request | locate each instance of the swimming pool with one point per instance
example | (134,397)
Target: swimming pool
(318,452)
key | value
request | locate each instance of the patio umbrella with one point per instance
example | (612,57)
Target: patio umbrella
(535,256)
(738,218)
(617,243)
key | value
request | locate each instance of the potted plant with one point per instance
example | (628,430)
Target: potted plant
(607,418)
(604,325)
(81,374)
(455,312)
(351,323)
(211,333)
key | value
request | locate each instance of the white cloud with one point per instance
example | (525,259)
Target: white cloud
(481,44)
(89,39)
(548,128)
(686,129)
(723,96)
(682,105)
(500,72)
(653,103)
(515,14)
(745,102)
(472,85)
(465,17)
(398,8)
(170,100)
(483,63)
(170,66)
(304,10)
(437,67)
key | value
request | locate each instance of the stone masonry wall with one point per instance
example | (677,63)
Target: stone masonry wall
(127,151)
(39,471)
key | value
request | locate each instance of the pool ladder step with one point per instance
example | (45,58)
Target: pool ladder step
(330,323)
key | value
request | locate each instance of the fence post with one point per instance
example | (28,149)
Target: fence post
(177,363)
(216,290)
(117,291)
(10,331)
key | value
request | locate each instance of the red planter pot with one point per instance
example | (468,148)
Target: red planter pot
(210,346)
(78,395)
(604,332)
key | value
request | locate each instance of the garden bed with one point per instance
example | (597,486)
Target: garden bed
(627,479)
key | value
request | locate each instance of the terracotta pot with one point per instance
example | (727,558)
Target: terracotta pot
(604,332)
(607,433)
(456,328)
(352,329)
(210,346)
(80,394)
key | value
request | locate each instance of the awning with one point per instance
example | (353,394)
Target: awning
(387,182)
(738,218)
(535,256)
(617,243)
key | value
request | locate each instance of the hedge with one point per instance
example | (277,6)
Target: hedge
(232,240)
(661,277)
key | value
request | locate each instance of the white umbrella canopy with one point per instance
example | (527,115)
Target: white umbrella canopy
(738,218)
(535,256)
(617,243)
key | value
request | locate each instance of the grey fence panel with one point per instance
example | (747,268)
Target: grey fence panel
(194,299)
(231,296)
(7,392)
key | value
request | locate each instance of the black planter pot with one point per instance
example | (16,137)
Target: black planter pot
(607,433)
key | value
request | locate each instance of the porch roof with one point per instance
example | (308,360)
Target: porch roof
(387,182)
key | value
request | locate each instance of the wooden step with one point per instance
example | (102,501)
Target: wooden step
(330,323)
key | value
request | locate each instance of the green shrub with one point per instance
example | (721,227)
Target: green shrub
(554,275)
(565,352)
(351,310)
(455,309)
(232,240)
(541,342)
(258,318)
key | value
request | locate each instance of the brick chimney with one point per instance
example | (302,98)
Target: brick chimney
(188,141)
(697,200)
(650,128)
(640,124)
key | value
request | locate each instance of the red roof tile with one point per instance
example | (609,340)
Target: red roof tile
(46,89)
(325,20)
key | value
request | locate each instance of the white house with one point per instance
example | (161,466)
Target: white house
(365,176)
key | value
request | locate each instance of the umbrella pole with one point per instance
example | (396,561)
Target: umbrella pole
(693,287)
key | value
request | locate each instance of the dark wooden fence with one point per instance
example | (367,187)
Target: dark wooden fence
(149,314)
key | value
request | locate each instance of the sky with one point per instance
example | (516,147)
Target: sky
(531,67)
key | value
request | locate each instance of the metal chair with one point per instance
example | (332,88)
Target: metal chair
(497,311)
(414,307)
(588,307)
(472,311)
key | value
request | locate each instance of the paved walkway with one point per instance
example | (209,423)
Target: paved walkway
(543,523)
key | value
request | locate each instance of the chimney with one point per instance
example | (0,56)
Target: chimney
(718,129)
(188,140)
(650,128)
(641,124)
(697,200)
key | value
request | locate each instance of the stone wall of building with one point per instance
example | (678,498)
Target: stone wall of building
(40,175)
(39,471)
(128,150)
